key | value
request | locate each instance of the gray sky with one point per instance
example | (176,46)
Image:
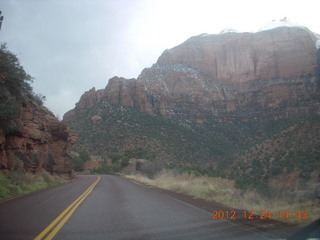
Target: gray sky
(70,46)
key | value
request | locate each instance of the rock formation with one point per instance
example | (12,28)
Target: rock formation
(231,76)
(30,135)
(252,98)
(284,52)
(39,141)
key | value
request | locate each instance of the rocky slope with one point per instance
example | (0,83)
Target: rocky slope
(232,76)
(31,138)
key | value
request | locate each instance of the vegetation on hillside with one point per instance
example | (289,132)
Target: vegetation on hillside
(257,149)
(292,151)
(269,157)
(125,128)
(15,89)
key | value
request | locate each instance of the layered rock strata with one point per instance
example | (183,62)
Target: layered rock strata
(39,141)
(226,77)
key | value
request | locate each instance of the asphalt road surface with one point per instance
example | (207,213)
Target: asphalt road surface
(111,207)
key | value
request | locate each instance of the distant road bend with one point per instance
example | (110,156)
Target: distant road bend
(111,207)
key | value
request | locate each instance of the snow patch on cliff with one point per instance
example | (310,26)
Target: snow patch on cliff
(318,44)
(204,35)
(285,22)
(228,30)
(158,71)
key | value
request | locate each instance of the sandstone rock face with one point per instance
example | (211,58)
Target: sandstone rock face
(226,77)
(39,142)
(126,92)
(240,57)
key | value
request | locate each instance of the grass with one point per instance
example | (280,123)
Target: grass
(223,190)
(18,183)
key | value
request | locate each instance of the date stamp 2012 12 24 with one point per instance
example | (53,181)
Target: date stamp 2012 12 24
(259,215)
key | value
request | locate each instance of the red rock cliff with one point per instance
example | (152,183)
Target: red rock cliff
(40,141)
(231,76)
(240,57)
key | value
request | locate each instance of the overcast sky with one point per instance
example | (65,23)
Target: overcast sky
(70,46)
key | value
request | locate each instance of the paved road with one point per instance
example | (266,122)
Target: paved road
(115,209)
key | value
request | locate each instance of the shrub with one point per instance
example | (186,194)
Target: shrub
(47,177)
(245,182)
(39,98)
(152,168)
(79,160)
(124,162)
(104,169)
(4,191)
(115,158)
(9,110)
(242,182)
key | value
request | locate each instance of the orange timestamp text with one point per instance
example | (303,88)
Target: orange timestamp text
(251,215)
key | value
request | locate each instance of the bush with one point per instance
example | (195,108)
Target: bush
(115,158)
(242,182)
(246,182)
(4,191)
(78,161)
(104,169)
(39,98)
(152,168)
(47,177)
(124,162)
(9,110)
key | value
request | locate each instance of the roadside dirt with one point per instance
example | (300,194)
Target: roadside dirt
(274,227)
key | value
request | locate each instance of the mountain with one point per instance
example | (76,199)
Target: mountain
(285,22)
(31,138)
(269,74)
(217,101)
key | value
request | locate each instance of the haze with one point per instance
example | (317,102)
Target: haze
(70,46)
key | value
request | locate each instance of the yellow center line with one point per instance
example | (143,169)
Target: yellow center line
(65,215)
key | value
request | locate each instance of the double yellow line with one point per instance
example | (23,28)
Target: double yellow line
(58,223)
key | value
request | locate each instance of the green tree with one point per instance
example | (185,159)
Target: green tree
(78,161)
(13,78)
(124,162)
(14,88)
(115,158)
